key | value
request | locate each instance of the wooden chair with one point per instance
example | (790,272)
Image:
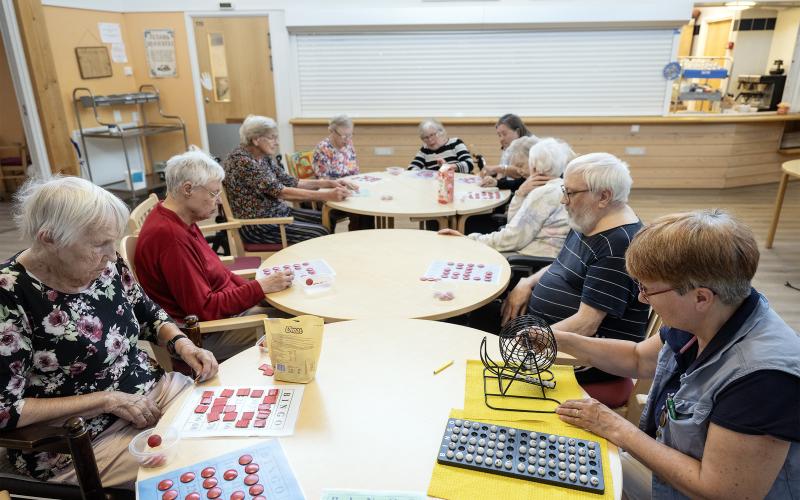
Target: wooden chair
(638,398)
(790,169)
(73,439)
(262,250)
(13,165)
(239,264)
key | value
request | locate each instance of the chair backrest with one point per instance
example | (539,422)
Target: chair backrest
(140,213)
(127,249)
(299,164)
(234,238)
(653,324)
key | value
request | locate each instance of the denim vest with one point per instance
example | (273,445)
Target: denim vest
(763,342)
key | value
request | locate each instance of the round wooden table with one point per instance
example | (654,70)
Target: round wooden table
(790,168)
(414,195)
(374,376)
(378,275)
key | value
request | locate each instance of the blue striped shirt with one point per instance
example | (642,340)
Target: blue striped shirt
(591,269)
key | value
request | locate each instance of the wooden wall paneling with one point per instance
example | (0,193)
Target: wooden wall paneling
(44,79)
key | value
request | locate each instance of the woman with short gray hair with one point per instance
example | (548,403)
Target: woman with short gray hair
(438,150)
(335,156)
(179,270)
(70,317)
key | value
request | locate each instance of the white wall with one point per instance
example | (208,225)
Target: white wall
(784,38)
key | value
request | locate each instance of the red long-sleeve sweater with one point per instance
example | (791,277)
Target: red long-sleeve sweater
(180,272)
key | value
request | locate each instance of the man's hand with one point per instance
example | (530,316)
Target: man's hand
(277,281)
(516,302)
(137,409)
(203,362)
(450,232)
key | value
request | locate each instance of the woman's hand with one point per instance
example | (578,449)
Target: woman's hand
(202,362)
(449,232)
(491,170)
(137,409)
(532,183)
(352,186)
(595,417)
(335,194)
(488,181)
(277,281)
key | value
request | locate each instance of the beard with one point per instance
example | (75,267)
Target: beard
(582,220)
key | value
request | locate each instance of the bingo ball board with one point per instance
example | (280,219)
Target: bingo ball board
(523,454)
(257,472)
(425,174)
(469,272)
(483,195)
(240,411)
(301,269)
(365,178)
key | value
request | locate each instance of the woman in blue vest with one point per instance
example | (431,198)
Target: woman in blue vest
(722,419)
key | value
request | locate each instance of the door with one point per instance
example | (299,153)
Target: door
(717,39)
(236,75)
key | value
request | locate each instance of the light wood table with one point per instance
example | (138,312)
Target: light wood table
(375,377)
(378,275)
(414,197)
(790,169)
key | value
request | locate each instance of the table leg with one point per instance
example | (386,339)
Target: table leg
(326,218)
(462,223)
(777,213)
(390,222)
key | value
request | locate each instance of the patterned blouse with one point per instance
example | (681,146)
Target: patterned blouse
(55,344)
(253,186)
(331,162)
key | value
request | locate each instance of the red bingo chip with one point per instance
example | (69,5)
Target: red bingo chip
(154,440)
(169,495)
(201,409)
(257,393)
(306,264)
(238,495)
(187,477)
(245,459)
(214,493)
(256,489)
(259,497)
(242,424)
(449,263)
(230,475)
(251,468)
(164,485)
(210,483)
(251,479)
(309,282)
(268,371)
(244,391)
(260,423)
(476,278)
(208,394)
(273,392)
(212,417)
(226,393)
(230,408)
(193,496)
(229,417)
(208,472)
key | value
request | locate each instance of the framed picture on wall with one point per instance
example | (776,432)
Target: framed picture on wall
(93,62)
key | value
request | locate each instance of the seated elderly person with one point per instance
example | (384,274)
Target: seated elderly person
(722,419)
(257,186)
(178,269)
(586,289)
(439,150)
(537,220)
(72,314)
(506,175)
(335,156)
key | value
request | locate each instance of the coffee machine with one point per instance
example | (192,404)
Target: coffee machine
(761,91)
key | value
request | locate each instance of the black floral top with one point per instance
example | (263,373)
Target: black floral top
(54,344)
(253,185)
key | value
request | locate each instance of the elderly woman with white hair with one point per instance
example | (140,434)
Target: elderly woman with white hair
(334,156)
(70,318)
(179,270)
(537,221)
(258,187)
(438,150)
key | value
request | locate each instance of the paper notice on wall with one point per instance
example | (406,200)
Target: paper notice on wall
(160,48)
(118,54)
(110,32)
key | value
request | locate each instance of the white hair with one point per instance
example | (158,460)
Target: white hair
(66,209)
(519,148)
(430,124)
(550,157)
(255,126)
(603,171)
(339,121)
(193,166)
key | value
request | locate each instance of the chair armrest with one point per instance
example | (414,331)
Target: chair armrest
(500,219)
(35,438)
(237,323)
(220,226)
(227,258)
(248,274)
(266,220)
(535,263)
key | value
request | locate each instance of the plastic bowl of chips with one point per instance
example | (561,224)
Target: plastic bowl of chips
(395,170)
(152,448)
(316,284)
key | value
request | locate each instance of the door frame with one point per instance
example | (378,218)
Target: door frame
(281,70)
(23,89)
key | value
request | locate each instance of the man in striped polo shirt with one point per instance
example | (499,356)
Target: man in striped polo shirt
(587,289)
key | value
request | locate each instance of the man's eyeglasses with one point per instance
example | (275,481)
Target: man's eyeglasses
(643,291)
(567,194)
(213,194)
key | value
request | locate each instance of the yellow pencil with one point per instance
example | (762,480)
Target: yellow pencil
(443,367)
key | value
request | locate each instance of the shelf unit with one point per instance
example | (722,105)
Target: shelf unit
(147,94)
(702,68)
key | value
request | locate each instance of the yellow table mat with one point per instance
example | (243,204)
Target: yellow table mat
(455,483)
(475,407)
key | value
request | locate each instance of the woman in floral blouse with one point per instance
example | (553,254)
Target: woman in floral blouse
(335,156)
(70,316)
(257,186)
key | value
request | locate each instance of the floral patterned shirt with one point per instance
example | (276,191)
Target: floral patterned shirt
(331,162)
(55,344)
(253,185)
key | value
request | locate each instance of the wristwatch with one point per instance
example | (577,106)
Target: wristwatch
(171,344)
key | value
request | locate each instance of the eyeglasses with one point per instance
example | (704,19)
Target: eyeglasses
(429,136)
(213,194)
(643,291)
(346,137)
(567,194)
(270,138)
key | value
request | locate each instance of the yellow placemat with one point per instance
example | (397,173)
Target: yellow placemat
(455,483)
(475,407)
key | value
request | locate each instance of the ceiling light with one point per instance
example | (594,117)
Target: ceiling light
(739,4)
